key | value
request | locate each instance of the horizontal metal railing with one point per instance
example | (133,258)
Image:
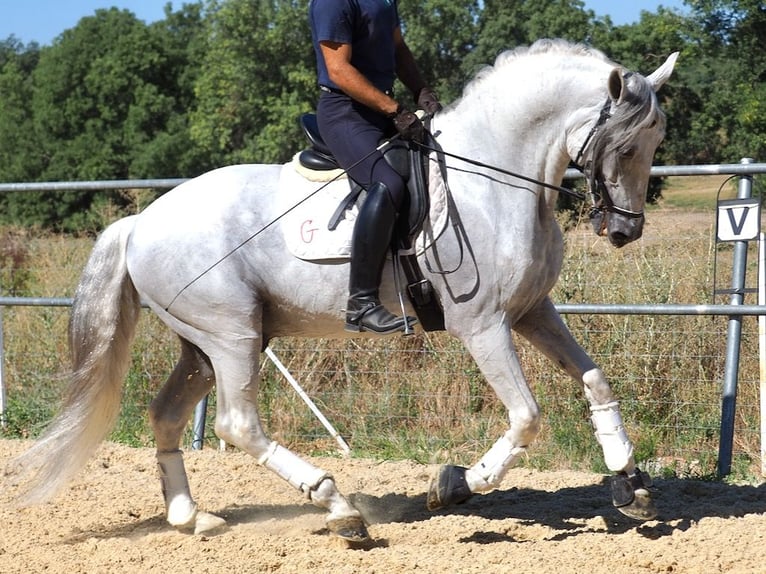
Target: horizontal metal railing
(657,171)
(745,168)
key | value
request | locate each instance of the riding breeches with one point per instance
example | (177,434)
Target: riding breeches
(352,131)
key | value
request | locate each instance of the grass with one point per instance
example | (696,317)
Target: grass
(698,192)
(422,397)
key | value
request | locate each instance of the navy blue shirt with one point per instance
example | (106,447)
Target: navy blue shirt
(368,25)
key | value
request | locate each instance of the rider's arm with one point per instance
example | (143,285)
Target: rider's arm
(337,58)
(406,68)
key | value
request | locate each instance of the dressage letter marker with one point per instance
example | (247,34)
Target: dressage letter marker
(738,219)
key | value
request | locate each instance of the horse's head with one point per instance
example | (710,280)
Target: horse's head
(616,156)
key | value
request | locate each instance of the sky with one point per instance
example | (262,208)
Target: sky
(42,20)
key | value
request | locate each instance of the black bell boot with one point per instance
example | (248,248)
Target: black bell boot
(369,244)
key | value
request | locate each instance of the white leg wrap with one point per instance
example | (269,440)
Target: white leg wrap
(488,473)
(611,435)
(181,509)
(296,471)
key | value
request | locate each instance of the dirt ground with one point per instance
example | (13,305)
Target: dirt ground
(111,520)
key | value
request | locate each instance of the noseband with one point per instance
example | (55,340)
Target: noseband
(601,200)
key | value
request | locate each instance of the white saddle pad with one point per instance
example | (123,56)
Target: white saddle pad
(309,198)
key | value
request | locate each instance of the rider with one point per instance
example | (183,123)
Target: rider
(360,51)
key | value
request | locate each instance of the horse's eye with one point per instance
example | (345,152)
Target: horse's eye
(628,153)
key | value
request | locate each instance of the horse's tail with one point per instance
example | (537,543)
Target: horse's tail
(101,327)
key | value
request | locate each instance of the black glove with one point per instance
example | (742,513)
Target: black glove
(408,124)
(428,101)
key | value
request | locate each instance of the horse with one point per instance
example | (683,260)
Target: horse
(192,256)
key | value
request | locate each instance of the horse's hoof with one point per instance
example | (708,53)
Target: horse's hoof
(351,528)
(631,497)
(642,508)
(449,487)
(206,523)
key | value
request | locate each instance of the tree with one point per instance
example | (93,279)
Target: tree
(107,95)
(19,156)
(441,34)
(109,100)
(716,101)
(161,143)
(733,33)
(506,24)
(257,78)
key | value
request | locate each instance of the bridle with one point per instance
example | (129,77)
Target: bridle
(592,170)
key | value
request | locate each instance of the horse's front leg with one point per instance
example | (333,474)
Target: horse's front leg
(492,348)
(544,328)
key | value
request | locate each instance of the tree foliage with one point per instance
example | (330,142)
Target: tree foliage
(224,81)
(256,79)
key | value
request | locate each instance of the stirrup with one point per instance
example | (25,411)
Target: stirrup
(375,318)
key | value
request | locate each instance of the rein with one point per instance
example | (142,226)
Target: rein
(560,189)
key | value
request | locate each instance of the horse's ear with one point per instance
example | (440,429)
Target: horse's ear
(662,74)
(616,85)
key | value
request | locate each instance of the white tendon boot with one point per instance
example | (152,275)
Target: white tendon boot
(488,473)
(611,435)
(344,520)
(629,486)
(297,472)
(181,510)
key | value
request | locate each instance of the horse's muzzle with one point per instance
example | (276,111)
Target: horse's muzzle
(618,229)
(623,230)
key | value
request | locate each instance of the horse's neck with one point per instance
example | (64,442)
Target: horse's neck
(512,140)
(521,118)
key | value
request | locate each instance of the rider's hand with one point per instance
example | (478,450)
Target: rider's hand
(428,101)
(408,124)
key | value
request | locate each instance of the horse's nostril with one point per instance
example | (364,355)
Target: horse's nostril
(619,239)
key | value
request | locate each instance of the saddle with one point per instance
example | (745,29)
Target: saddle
(411,163)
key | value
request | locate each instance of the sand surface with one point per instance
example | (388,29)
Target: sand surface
(110,519)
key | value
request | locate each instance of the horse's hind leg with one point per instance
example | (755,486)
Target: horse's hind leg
(191,379)
(238,423)
(545,330)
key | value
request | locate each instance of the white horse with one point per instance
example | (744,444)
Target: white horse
(196,258)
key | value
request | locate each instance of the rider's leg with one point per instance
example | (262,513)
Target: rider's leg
(369,245)
(353,133)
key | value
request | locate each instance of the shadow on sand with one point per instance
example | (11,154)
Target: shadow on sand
(567,511)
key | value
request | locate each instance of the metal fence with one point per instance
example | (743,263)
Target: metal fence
(591,322)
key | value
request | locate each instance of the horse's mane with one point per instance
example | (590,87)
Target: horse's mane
(543,46)
(637,110)
(551,46)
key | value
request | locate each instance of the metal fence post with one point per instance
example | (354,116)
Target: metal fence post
(2,371)
(762,344)
(733,339)
(198,438)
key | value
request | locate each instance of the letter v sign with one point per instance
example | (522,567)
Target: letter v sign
(738,219)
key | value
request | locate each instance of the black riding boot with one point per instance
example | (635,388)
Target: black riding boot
(369,244)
